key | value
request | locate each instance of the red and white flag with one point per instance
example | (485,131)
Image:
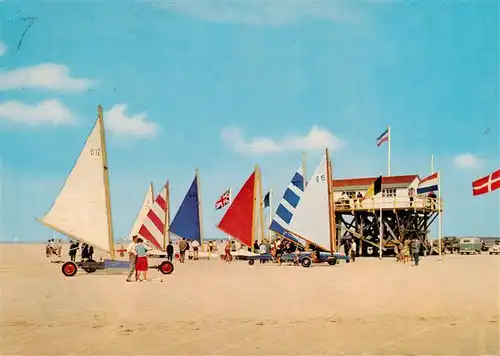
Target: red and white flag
(486,184)
(224,200)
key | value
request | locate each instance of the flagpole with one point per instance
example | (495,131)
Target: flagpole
(270,213)
(440,227)
(381,234)
(389,152)
(432,163)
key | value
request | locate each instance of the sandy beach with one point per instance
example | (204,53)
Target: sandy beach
(448,307)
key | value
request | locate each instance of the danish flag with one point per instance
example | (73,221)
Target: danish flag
(486,184)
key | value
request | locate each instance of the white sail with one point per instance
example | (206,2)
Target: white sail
(311,216)
(80,209)
(146,206)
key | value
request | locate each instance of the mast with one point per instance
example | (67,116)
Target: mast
(166,232)
(200,216)
(331,204)
(256,177)
(106,183)
(261,205)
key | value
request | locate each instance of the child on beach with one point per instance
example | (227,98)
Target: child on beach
(406,252)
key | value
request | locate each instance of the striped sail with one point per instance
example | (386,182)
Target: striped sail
(286,208)
(153,226)
(141,215)
(312,214)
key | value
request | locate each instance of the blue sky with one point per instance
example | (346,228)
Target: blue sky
(224,85)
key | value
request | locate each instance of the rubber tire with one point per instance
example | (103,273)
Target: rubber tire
(306,262)
(177,256)
(69,269)
(251,262)
(166,267)
(332,261)
(370,251)
(90,270)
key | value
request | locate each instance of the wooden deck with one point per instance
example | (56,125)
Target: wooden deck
(420,204)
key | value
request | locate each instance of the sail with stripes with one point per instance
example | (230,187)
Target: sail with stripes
(286,208)
(311,219)
(187,220)
(153,227)
(143,212)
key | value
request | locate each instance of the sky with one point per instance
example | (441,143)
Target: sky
(222,86)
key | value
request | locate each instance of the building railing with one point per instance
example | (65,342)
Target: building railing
(396,202)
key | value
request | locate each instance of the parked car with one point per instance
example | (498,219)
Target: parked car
(494,250)
(470,245)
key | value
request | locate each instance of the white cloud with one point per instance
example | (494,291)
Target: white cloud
(316,139)
(50,111)
(3,48)
(49,76)
(136,125)
(261,12)
(466,161)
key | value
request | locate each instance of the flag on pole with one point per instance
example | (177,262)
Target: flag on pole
(267,199)
(374,188)
(384,137)
(224,200)
(486,184)
(429,184)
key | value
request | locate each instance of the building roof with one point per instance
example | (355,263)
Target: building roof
(365,182)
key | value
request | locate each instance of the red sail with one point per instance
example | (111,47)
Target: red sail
(238,219)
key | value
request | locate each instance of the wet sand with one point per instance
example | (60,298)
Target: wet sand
(448,307)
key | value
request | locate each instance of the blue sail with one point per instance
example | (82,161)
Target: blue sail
(288,203)
(186,222)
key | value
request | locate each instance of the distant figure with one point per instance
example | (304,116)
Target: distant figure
(196,247)
(210,248)
(411,194)
(406,252)
(227,252)
(432,198)
(183,246)
(85,252)
(415,250)
(233,246)
(353,250)
(131,259)
(317,250)
(48,249)
(170,251)
(347,246)
(256,246)
(141,263)
(73,249)
(262,251)
(91,252)
(359,197)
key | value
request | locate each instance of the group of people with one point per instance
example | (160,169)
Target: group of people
(53,247)
(409,248)
(350,248)
(87,252)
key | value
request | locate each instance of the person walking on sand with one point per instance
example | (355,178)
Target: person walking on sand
(210,248)
(415,250)
(183,246)
(170,251)
(227,250)
(353,250)
(196,247)
(91,252)
(73,249)
(141,263)
(132,254)
(406,252)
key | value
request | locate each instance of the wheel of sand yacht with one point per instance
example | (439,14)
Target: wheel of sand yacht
(306,262)
(251,262)
(69,269)
(177,256)
(89,270)
(332,261)
(166,267)
(370,251)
